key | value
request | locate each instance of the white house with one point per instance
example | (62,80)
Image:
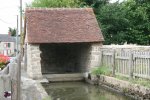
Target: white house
(7,44)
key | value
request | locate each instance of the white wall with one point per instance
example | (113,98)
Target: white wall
(8,50)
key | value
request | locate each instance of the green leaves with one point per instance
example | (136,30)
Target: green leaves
(56,3)
(101,70)
(12,31)
(125,22)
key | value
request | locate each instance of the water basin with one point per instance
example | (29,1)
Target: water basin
(80,91)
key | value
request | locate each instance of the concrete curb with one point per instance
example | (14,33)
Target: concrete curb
(133,90)
(32,90)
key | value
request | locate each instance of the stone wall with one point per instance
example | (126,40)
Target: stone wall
(33,61)
(95,55)
(62,58)
(135,91)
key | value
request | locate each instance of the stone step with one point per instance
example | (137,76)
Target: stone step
(64,77)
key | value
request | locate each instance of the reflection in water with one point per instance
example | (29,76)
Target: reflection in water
(80,91)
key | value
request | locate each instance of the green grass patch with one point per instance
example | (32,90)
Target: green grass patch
(122,77)
(2,65)
(140,81)
(47,98)
(101,70)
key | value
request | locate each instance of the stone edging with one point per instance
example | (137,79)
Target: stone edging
(133,90)
(32,90)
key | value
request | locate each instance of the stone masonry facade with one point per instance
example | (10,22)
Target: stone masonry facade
(95,55)
(34,60)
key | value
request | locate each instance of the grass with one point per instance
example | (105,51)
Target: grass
(140,81)
(2,65)
(47,98)
(101,70)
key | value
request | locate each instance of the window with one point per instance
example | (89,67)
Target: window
(8,52)
(8,45)
(5,45)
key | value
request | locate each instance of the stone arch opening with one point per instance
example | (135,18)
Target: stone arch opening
(65,58)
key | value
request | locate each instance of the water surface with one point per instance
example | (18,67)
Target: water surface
(80,91)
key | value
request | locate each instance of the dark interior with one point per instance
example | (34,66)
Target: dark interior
(64,58)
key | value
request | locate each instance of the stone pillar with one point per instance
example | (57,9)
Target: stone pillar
(34,61)
(95,55)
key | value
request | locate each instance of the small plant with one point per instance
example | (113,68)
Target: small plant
(101,70)
(47,98)
(3,60)
(122,77)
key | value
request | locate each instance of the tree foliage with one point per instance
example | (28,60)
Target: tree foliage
(138,14)
(12,31)
(56,3)
(128,21)
(113,23)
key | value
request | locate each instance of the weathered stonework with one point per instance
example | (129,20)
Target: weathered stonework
(33,61)
(62,58)
(95,55)
(135,91)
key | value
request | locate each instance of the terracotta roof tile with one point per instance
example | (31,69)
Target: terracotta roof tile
(62,25)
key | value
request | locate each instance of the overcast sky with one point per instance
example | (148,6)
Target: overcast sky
(9,9)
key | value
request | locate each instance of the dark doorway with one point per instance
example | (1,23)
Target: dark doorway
(64,58)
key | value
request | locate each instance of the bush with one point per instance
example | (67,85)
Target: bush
(101,70)
(3,60)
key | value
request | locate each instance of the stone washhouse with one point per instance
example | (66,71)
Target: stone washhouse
(61,41)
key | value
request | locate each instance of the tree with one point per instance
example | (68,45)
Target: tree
(57,3)
(113,23)
(96,4)
(125,22)
(12,31)
(138,14)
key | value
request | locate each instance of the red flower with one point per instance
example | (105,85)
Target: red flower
(4,59)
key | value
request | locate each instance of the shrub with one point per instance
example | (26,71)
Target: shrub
(101,70)
(47,98)
(3,60)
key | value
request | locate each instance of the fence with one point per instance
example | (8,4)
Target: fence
(127,62)
(8,81)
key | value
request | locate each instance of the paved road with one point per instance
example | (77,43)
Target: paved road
(4,86)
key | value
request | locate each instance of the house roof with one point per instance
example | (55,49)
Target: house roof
(62,25)
(6,38)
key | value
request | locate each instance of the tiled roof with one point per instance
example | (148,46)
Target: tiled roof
(62,25)
(6,38)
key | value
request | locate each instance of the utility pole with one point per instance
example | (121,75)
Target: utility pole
(19,59)
(17,38)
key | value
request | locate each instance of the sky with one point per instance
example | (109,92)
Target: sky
(9,10)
